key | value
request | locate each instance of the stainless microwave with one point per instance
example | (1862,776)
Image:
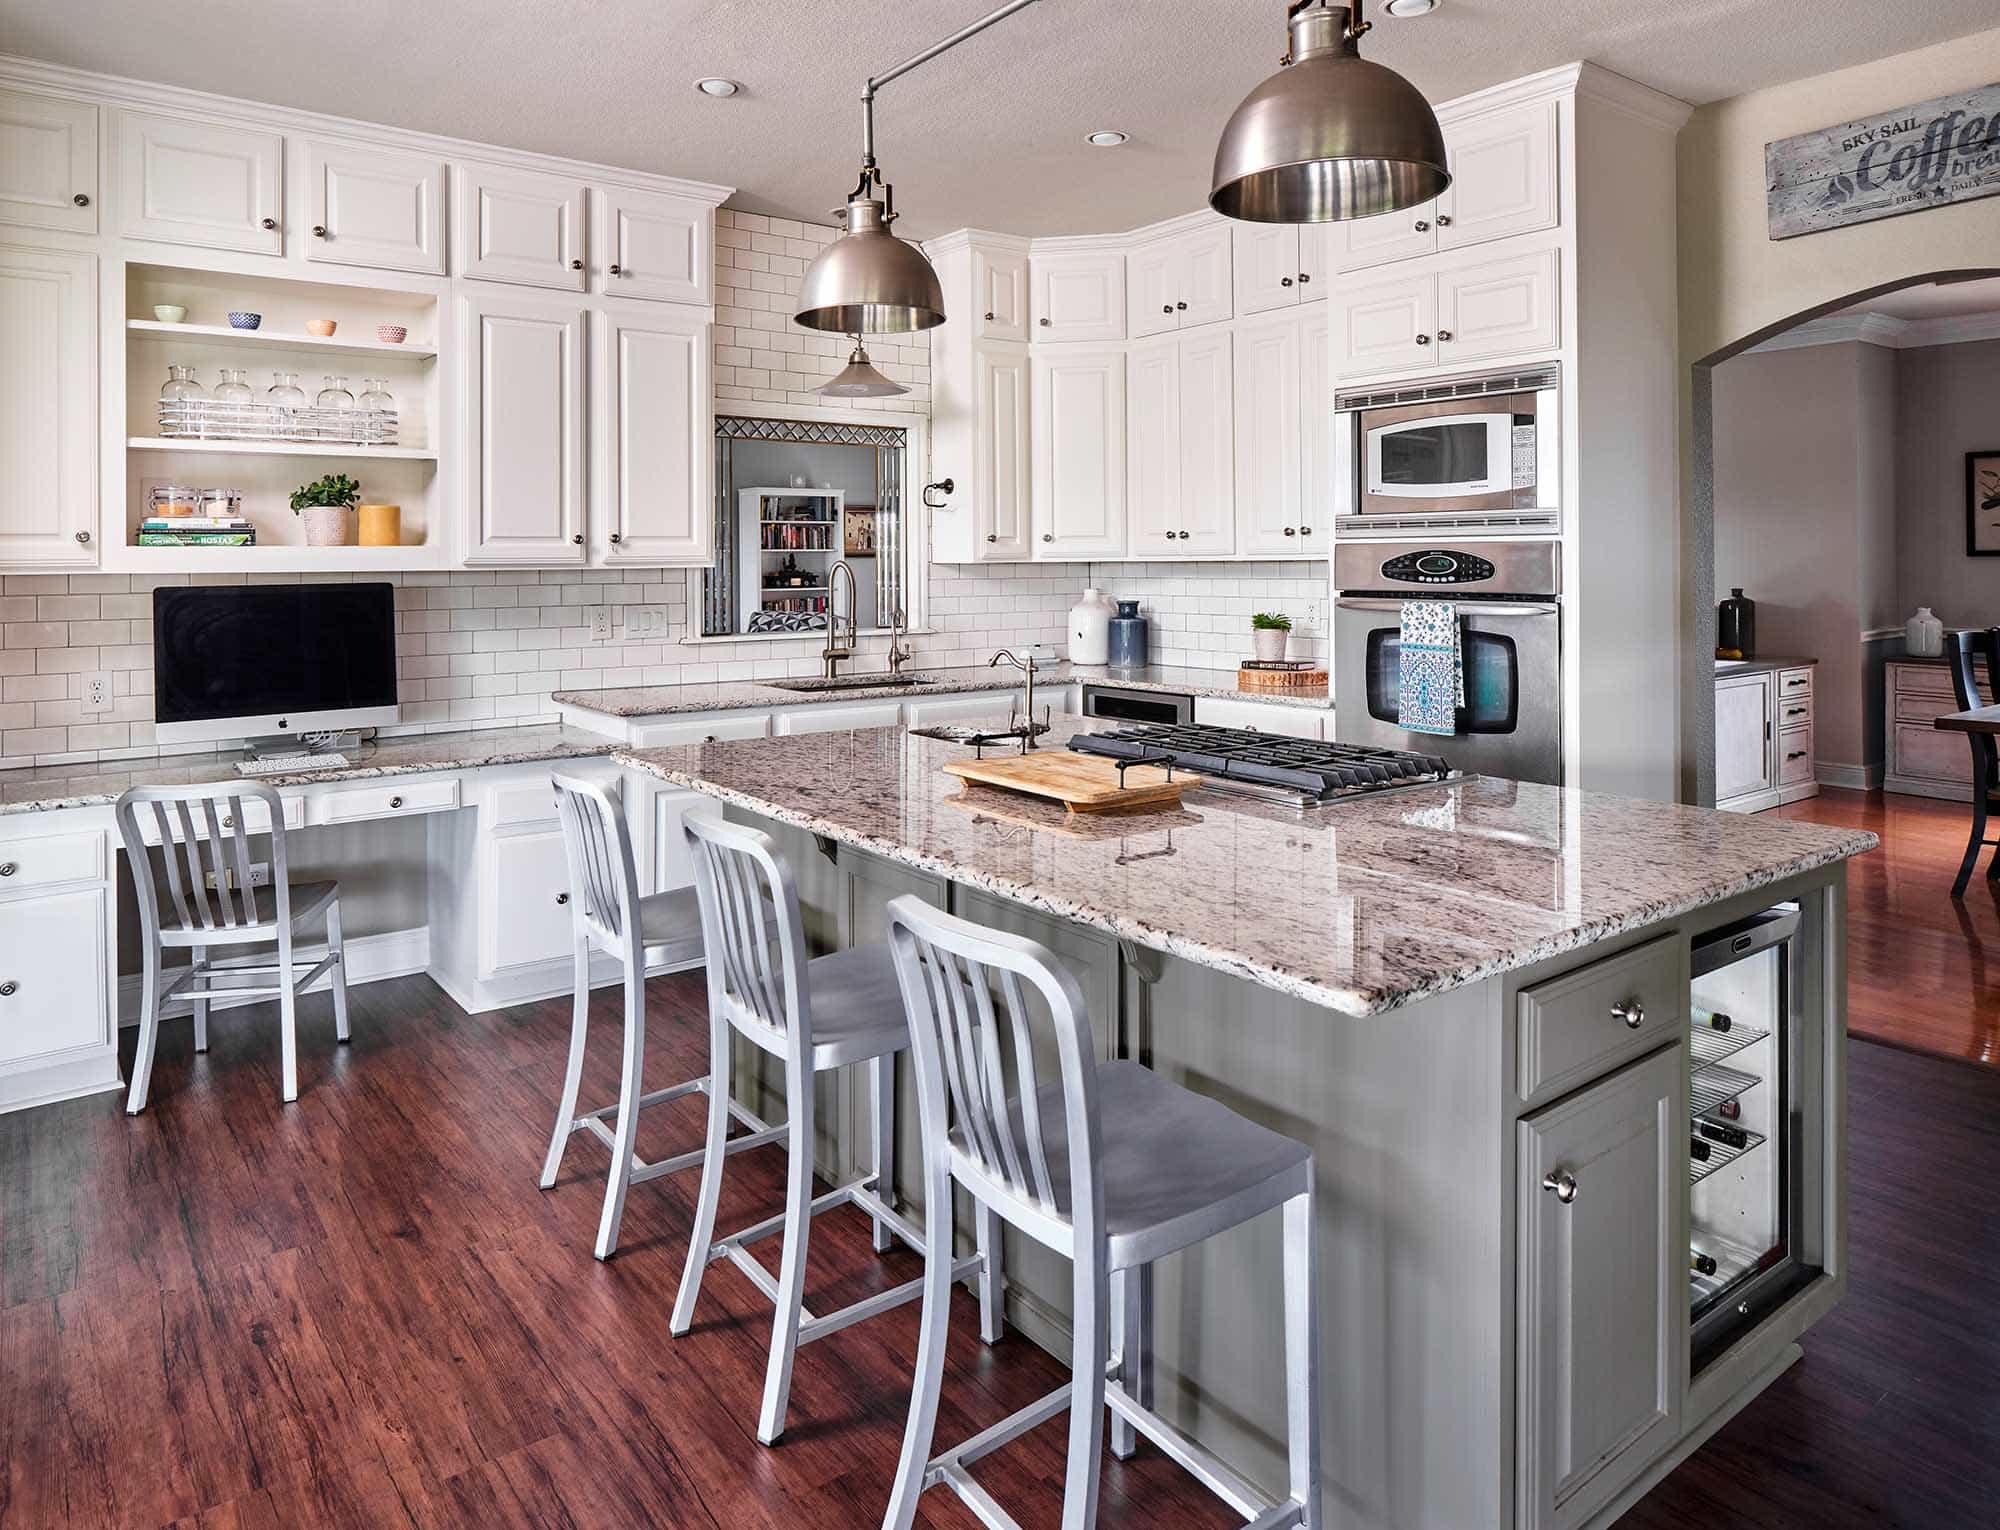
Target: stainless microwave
(1474,454)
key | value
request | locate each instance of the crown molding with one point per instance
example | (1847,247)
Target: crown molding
(1884,330)
(965,238)
(1623,94)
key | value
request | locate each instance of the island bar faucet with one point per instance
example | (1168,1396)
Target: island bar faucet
(1027,667)
(833,653)
(898,630)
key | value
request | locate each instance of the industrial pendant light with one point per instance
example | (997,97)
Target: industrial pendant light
(859,379)
(1330,136)
(868,281)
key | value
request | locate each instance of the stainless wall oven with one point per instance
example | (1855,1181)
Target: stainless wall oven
(1471,454)
(1508,599)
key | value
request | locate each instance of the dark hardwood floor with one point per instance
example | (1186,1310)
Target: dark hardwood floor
(359,1310)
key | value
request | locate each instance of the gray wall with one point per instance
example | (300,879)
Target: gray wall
(1947,404)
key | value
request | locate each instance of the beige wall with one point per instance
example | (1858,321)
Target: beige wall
(1948,403)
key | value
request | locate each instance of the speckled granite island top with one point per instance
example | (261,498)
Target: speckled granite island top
(1360,906)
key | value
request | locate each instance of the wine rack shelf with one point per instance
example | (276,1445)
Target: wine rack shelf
(1720,1155)
(1714,1046)
(1713,1084)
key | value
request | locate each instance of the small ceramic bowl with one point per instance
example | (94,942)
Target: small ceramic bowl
(391,334)
(241,320)
(321,327)
(170,313)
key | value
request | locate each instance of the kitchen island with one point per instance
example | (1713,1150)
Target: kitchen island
(1472,1001)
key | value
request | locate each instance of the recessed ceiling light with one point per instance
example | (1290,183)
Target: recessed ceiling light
(1105,138)
(717,87)
(1408,8)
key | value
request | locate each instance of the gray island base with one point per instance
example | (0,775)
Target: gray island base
(1472,1001)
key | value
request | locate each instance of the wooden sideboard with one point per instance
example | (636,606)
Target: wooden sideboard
(1921,761)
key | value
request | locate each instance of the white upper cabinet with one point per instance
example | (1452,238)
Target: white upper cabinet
(1153,458)
(1180,447)
(652,244)
(1079,296)
(1079,454)
(1389,326)
(520,226)
(1316,434)
(371,207)
(1504,176)
(48,408)
(1400,235)
(1498,307)
(1179,282)
(48,162)
(1000,382)
(1000,293)
(1270,454)
(654,436)
(523,399)
(184,181)
(1268,266)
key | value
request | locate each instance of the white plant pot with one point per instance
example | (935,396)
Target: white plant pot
(1270,642)
(326,525)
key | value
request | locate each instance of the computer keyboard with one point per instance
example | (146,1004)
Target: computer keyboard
(288,764)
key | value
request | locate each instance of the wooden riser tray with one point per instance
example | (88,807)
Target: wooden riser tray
(1083,783)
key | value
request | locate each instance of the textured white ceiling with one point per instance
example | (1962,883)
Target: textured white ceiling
(987,136)
(1935,300)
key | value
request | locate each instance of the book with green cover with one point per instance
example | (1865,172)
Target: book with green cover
(197,539)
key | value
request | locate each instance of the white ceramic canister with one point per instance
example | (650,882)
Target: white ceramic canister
(1923,635)
(1090,628)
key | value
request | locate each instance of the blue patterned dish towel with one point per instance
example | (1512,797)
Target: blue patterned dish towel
(1431,687)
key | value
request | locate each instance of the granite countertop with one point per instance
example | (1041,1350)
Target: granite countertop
(44,788)
(1359,906)
(737,695)
(1762,662)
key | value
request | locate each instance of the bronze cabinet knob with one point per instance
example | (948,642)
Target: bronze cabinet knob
(269,225)
(1284,281)
(578,539)
(576,265)
(1423,227)
(617,536)
(81,200)
(616,269)
(319,231)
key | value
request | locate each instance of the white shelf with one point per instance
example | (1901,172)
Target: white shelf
(272,340)
(275,558)
(281,449)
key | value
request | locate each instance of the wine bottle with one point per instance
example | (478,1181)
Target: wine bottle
(1700,1263)
(1728,1136)
(1730,1110)
(1713,1020)
(1698,1150)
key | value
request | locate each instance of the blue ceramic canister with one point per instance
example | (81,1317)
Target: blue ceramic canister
(1128,636)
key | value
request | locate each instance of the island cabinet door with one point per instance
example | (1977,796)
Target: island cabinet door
(1602,1291)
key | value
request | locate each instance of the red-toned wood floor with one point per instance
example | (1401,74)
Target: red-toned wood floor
(359,1311)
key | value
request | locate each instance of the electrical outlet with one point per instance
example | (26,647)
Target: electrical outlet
(260,876)
(97,691)
(600,624)
(645,623)
(1311,622)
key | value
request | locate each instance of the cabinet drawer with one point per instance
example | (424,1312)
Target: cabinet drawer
(1799,682)
(1926,753)
(837,718)
(56,858)
(1922,707)
(391,800)
(702,730)
(1921,680)
(256,818)
(52,955)
(1795,709)
(1795,755)
(1574,1027)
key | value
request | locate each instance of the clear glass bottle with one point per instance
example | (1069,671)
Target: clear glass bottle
(285,391)
(376,394)
(180,385)
(335,394)
(181,398)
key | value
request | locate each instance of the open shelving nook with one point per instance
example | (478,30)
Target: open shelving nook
(266,471)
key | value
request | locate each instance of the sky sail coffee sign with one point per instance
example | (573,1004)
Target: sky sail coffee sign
(1928,155)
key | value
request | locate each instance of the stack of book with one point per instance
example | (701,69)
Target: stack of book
(196,531)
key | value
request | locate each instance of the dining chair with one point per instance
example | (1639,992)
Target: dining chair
(204,835)
(1961,649)
(1109,1166)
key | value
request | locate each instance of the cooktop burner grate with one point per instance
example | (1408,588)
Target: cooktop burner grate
(1316,770)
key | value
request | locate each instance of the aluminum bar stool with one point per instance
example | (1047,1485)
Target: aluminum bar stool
(608,914)
(813,1014)
(1110,1166)
(204,835)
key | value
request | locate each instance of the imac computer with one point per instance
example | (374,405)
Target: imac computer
(272,663)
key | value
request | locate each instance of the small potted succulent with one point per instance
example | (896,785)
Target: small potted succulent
(326,505)
(1269,630)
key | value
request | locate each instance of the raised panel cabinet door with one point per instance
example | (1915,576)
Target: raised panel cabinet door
(655,431)
(1266,263)
(48,162)
(518,226)
(1207,286)
(1743,737)
(1388,327)
(1315,259)
(520,919)
(1152,448)
(1498,308)
(48,408)
(1207,447)
(1401,235)
(1316,435)
(1001,437)
(184,181)
(1078,296)
(1602,1289)
(1079,454)
(373,208)
(652,244)
(524,444)
(1000,291)
(1504,177)
(1151,283)
(52,966)
(1269,436)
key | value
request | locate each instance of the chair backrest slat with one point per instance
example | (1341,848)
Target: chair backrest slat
(204,832)
(604,881)
(753,932)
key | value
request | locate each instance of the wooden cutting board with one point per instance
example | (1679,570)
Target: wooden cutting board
(1083,783)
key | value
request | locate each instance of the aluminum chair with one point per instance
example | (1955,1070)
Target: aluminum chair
(204,835)
(609,915)
(1110,1166)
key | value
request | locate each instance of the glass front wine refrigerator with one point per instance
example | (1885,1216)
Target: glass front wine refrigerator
(1752,1156)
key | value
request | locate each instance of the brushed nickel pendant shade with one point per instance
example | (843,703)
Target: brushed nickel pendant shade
(858,379)
(1330,136)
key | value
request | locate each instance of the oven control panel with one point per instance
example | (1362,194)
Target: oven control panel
(1437,566)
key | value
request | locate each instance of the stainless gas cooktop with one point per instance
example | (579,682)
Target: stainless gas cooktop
(1300,770)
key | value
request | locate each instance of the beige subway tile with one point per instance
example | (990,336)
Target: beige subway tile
(34,740)
(65,608)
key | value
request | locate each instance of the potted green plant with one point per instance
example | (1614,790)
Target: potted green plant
(325,505)
(1269,630)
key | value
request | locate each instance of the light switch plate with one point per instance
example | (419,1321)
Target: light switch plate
(645,624)
(97,691)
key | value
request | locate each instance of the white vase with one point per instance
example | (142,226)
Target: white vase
(1923,635)
(1270,643)
(1090,628)
(326,525)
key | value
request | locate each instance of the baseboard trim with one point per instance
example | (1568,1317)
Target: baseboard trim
(370,959)
(1860,778)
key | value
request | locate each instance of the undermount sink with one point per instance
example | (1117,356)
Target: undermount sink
(852,683)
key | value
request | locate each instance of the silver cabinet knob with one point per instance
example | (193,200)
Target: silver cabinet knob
(83,537)
(576,265)
(395,802)
(1048,536)
(1444,334)
(8,868)
(9,988)
(319,231)
(1423,226)
(269,225)
(562,898)
(81,200)
(1284,281)
(1291,531)
(992,536)
(617,537)
(1631,1011)
(1561,1184)
(578,539)
(1043,321)
(1423,339)
(1444,220)
(616,269)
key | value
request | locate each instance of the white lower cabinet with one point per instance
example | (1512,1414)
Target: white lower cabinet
(526,918)
(994,704)
(1264,717)
(1602,1289)
(1746,776)
(48,408)
(701,730)
(836,717)
(1078,451)
(53,996)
